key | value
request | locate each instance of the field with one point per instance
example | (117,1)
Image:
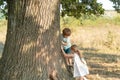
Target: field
(98,40)
(101,48)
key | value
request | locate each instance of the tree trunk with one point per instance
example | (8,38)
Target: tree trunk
(32,48)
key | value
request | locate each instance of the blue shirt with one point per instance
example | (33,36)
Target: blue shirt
(66,40)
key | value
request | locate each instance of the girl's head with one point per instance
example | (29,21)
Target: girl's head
(74,48)
(66,32)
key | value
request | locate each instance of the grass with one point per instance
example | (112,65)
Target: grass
(91,22)
(98,40)
(103,59)
(3,25)
(3,29)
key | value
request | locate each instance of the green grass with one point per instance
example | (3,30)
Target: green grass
(91,22)
(116,20)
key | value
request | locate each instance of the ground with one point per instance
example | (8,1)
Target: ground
(99,45)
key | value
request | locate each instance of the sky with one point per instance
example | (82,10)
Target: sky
(107,4)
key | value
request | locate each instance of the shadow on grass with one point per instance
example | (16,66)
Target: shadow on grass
(88,49)
(1,48)
(97,63)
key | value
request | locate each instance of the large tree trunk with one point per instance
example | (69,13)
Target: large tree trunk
(32,48)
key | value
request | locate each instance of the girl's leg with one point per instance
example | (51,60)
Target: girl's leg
(87,76)
(66,59)
(70,61)
(81,78)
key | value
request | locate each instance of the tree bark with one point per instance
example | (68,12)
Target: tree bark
(32,47)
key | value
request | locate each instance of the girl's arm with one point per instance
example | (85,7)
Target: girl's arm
(81,57)
(66,55)
(79,53)
(64,43)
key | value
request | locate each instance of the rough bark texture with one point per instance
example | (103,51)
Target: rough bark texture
(32,48)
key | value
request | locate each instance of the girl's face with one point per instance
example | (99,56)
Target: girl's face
(66,36)
(74,49)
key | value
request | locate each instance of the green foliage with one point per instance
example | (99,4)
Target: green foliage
(92,21)
(77,8)
(117,20)
(74,8)
(116,5)
(3,8)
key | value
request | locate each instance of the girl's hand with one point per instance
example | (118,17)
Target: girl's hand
(64,43)
(66,55)
(82,62)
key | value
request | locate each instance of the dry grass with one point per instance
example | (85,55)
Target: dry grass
(101,48)
(99,41)
(3,29)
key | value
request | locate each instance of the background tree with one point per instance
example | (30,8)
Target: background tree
(116,5)
(77,8)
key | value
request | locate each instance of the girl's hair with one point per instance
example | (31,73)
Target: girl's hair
(78,52)
(73,46)
(66,31)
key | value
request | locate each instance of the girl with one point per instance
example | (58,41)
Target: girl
(80,67)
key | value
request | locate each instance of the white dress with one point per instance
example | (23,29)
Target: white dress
(80,69)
